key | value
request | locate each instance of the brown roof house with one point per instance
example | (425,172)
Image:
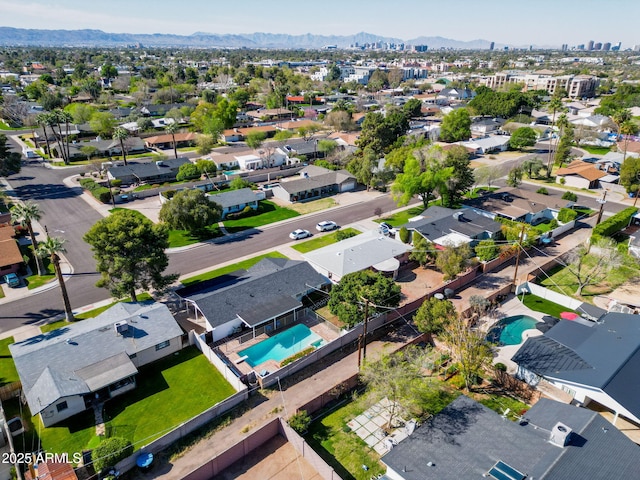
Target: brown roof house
(314,182)
(580,174)
(10,256)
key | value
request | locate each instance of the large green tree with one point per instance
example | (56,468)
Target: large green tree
(10,162)
(523,137)
(347,299)
(433,315)
(190,210)
(130,253)
(453,260)
(423,252)
(421,177)
(103,123)
(456,126)
(461,179)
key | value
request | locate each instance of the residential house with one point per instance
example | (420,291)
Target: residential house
(369,250)
(580,174)
(239,134)
(10,256)
(518,205)
(552,440)
(592,361)
(593,121)
(263,295)
(632,148)
(271,114)
(165,141)
(485,126)
(316,182)
(51,470)
(108,148)
(68,370)
(234,201)
(159,171)
(456,94)
(294,125)
(448,227)
(489,144)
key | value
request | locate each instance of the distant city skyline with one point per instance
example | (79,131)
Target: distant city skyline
(542,23)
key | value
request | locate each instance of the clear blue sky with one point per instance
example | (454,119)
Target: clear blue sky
(515,22)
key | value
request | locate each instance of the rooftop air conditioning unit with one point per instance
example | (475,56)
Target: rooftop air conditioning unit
(560,435)
(159,163)
(121,327)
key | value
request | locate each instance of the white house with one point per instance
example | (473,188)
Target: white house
(68,370)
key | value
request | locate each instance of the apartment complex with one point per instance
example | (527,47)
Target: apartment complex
(578,86)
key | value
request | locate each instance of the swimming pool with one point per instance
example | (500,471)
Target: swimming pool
(282,345)
(508,331)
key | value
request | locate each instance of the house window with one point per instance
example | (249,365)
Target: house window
(62,406)
(162,345)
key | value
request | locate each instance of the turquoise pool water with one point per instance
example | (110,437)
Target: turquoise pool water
(508,331)
(281,345)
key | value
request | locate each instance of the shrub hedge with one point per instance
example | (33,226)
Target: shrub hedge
(97,190)
(614,224)
(296,356)
(566,215)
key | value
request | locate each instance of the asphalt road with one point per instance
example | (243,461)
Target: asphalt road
(68,216)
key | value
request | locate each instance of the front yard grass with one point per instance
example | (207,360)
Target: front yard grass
(323,241)
(268,212)
(230,268)
(313,206)
(8,372)
(400,218)
(543,305)
(169,392)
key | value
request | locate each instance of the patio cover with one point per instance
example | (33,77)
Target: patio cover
(269,310)
(454,239)
(388,265)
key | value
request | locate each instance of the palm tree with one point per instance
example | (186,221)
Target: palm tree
(555,105)
(43,120)
(171,129)
(627,128)
(66,118)
(55,119)
(51,248)
(121,134)
(25,214)
(619,117)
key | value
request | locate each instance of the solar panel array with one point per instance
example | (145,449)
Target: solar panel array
(502,471)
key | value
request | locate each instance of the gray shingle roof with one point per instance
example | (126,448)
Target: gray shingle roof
(317,181)
(439,221)
(605,355)
(230,198)
(148,169)
(357,253)
(267,289)
(466,439)
(59,363)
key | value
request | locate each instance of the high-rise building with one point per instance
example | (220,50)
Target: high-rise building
(493,44)
(597,46)
(580,47)
(606,47)
(421,48)
(590,45)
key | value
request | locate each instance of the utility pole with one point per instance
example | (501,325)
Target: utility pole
(602,202)
(635,199)
(515,273)
(362,339)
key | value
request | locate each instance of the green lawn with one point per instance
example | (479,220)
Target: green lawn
(35,280)
(595,150)
(323,241)
(268,212)
(341,448)
(539,304)
(562,281)
(169,392)
(8,372)
(402,217)
(1,292)
(230,268)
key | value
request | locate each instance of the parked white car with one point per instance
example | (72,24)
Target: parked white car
(299,234)
(326,226)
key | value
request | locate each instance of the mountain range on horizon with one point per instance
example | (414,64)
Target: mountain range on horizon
(10,36)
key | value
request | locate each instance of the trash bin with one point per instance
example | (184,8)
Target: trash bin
(144,461)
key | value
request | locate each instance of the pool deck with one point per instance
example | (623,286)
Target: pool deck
(511,307)
(231,348)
